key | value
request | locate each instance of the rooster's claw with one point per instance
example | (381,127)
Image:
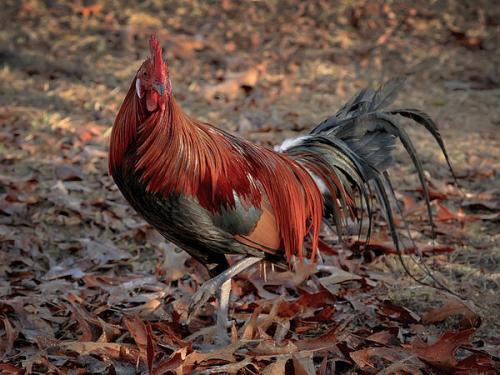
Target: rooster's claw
(202,295)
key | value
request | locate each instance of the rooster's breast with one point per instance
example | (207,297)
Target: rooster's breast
(183,221)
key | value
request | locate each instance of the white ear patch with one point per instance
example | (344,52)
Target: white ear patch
(138,87)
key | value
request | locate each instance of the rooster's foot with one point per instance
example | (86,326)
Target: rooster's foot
(210,287)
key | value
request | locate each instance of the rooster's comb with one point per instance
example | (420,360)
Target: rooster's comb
(157,59)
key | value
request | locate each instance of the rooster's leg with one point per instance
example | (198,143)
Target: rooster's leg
(210,287)
(223,322)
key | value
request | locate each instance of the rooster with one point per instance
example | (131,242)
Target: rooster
(213,193)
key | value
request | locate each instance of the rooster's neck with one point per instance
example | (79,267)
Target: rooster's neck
(137,130)
(174,153)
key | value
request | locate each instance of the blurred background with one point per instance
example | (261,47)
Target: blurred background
(266,70)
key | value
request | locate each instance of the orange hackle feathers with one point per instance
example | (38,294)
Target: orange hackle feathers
(124,129)
(177,154)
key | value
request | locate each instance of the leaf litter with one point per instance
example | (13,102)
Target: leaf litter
(87,287)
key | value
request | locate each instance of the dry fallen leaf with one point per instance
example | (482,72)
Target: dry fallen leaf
(337,276)
(143,338)
(113,350)
(103,252)
(7,342)
(442,352)
(325,341)
(84,326)
(449,308)
(250,326)
(225,354)
(277,367)
(7,369)
(175,361)
(232,85)
(399,313)
(385,337)
(363,357)
(303,363)
(445,214)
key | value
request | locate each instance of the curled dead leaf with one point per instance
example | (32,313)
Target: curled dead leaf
(395,312)
(363,357)
(449,308)
(442,352)
(174,362)
(143,338)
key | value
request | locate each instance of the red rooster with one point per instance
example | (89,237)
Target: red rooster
(213,193)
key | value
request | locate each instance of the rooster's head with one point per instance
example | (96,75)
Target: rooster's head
(152,78)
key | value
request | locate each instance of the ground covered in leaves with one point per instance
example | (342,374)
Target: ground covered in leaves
(87,287)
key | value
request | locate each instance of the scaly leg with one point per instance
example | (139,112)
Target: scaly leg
(209,288)
(223,322)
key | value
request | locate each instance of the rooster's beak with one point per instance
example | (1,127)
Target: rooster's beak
(159,88)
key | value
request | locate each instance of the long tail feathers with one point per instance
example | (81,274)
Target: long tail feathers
(352,150)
